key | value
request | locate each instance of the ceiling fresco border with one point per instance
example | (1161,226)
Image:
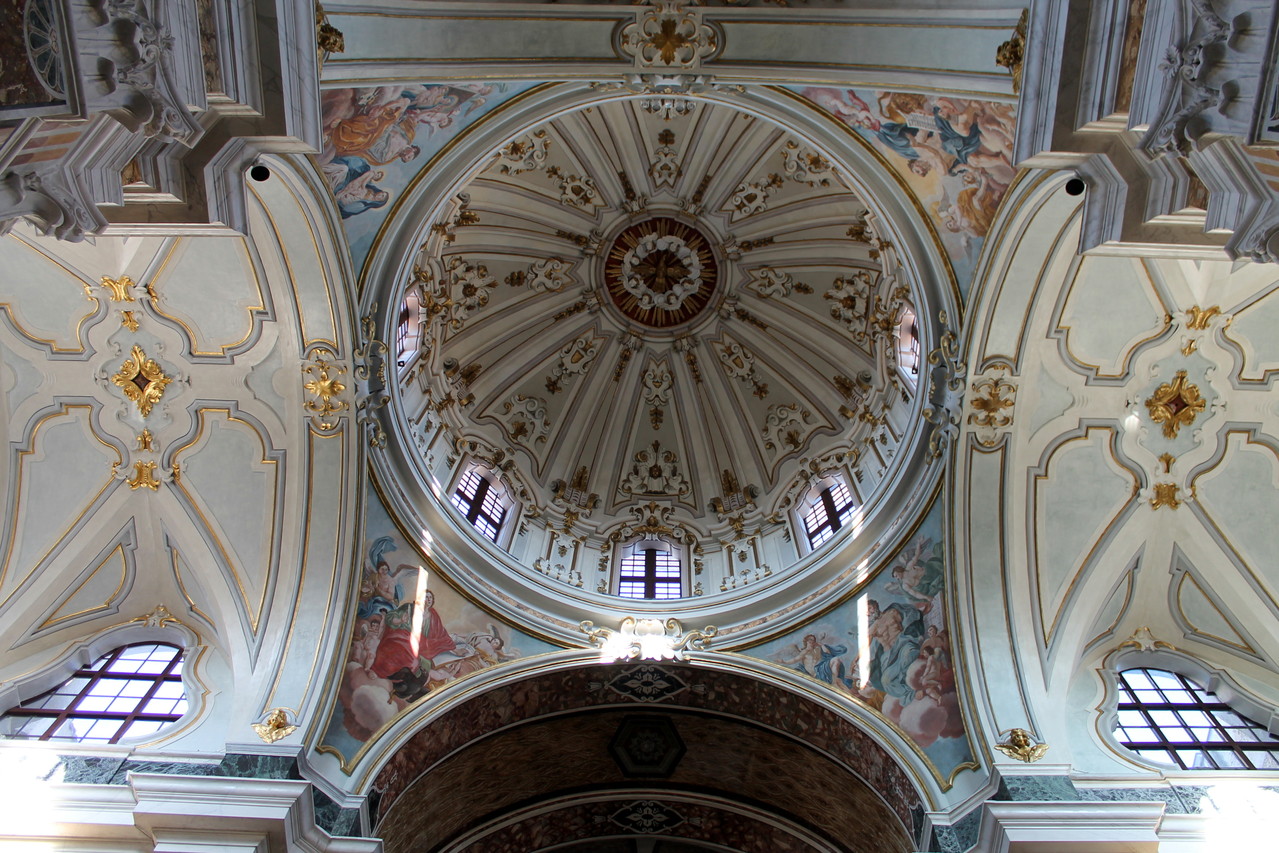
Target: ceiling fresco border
(1039,473)
(259,314)
(86,322)
(199,411)
(1251,435)
(345,445)
(1092,372)
(125,542)
(24,446)
(1182,571)
(991,275)
(1237,380)
(279,244)
(1128,581)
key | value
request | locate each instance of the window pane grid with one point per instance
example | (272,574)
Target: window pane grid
(650,573)
(479,503)
(109,699)
(1189,727)
(829,512)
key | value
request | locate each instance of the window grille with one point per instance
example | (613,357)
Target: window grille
(476,499)
(649,573)
(132,691)
(1166,718)
(831,511)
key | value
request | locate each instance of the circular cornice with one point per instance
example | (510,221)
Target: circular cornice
(515,590)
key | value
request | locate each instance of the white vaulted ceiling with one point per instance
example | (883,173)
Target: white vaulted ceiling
(781,362)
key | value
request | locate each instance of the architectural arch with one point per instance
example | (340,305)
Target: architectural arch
(592,731)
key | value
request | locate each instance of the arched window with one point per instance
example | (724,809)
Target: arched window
(650,568)
(1166,718)
(408,331)
(482,501)
(908,344)
(829,507)
(129,692)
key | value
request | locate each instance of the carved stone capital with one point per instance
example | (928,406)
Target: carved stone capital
(54,202)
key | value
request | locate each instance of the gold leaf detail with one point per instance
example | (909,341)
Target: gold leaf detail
(1175,404)
(1165,495)
(1200,317)
(142,380)
(275,727)
(143,477)
(120,288)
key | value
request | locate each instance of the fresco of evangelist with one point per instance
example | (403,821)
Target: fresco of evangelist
(377,139)
(954,153)
(889,648)
(413,634)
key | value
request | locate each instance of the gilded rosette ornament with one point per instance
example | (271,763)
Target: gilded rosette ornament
(142,380)
(667,35)
(324,386)
(1175,404)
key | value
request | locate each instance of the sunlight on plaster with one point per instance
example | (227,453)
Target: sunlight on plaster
(1239,816)
(30,810)
(1132,421)
(419,608)
(863,640)
(856,521)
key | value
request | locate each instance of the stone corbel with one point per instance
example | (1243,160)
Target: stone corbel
(1200,72)
(54,201)
(133,58)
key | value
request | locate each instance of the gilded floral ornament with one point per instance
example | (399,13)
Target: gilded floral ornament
(1012,53)
(158,618)
(143,477)
(324,385)
(1175,404)
(328,38)
(667,35)
(1165,494)
(275,726)
(120,289)
(647,639)
(142,380)
(1020,745)
(992,406)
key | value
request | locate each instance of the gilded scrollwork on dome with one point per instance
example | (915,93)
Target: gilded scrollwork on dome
(635,362)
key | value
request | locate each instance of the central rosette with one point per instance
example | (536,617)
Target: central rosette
(661,272)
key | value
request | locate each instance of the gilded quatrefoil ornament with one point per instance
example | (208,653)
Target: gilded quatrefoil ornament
(142,380)
(1175,404)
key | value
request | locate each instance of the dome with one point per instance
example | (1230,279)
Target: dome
(658,325)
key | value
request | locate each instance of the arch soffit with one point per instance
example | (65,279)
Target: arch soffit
(727,686)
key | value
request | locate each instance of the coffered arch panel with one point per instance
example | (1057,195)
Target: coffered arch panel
(1124,449)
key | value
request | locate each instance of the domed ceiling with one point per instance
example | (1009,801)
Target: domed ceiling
(658,317)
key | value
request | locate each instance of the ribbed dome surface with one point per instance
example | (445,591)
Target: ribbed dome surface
(669,316)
